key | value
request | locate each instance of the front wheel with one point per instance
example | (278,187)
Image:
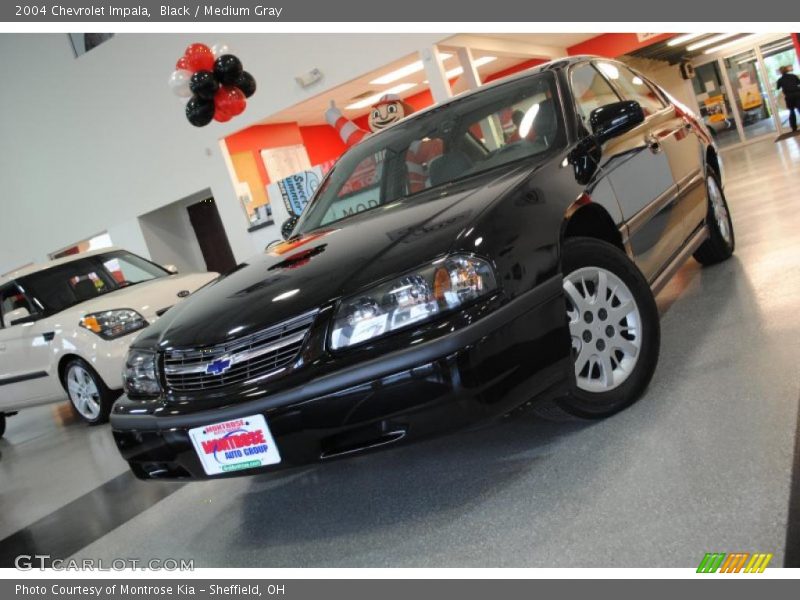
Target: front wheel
(88,394)
(614,326)
(721,242)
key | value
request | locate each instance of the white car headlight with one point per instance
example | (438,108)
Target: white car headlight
(140,375)
(414,297)
(112,324)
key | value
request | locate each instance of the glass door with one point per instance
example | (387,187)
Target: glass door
(715,106)
(751,97)
(776,55)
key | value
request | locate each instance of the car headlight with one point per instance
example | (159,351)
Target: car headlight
(112,324)
(412,298)
(140,376)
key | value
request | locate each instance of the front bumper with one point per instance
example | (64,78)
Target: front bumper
(482,371)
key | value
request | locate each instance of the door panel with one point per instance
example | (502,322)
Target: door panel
(25,355)
(25,373)
(684,150)
(661,196)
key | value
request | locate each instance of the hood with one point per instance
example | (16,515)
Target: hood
(315,269)
(149,297)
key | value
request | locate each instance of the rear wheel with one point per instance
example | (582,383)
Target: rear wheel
(721,241)
(88,394)
(614,325)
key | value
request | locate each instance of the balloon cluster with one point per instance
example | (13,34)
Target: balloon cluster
(214,82)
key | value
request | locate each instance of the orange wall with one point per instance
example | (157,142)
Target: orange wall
(322,143)
(611,45)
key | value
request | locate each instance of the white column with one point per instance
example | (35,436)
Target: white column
(434,69)
(470,77)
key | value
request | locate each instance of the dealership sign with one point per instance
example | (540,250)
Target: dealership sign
(245,443)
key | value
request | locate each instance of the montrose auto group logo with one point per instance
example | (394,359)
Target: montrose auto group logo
(234,440)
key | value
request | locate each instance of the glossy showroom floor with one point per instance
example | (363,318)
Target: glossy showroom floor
(702,463)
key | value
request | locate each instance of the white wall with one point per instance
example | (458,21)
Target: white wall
(170,237)
(90,144)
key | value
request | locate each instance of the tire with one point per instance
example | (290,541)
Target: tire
(721,241)
(616,333)
(2,424)
(89,396)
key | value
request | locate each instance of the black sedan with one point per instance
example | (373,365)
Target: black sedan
(496,251)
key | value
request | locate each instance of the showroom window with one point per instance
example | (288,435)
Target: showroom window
(591,90)
(634,87)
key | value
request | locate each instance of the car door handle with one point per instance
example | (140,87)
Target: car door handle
(653,143)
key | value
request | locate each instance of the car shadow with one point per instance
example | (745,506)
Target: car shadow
(433,479)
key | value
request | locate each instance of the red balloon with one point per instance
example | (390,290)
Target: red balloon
(230,100)
(182,64)
(222,117)
(199,58)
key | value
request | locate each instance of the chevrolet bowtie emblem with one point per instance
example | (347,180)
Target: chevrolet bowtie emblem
(218,367)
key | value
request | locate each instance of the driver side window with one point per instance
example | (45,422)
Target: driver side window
(591,91)
(12,299)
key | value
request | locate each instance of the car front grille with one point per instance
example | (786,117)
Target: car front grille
(256,356)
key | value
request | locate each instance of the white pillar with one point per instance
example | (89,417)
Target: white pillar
(470,77)
(434,69)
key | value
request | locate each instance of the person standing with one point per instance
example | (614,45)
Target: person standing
(789,83)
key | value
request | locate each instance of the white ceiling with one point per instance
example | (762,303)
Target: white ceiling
(509,48)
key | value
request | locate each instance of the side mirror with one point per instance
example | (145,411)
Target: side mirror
(288,226)
(171,268)
(18,316)
(614,119)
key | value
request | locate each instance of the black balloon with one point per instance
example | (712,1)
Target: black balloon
(199,111)
(246,83)
(227,69)
(204,85)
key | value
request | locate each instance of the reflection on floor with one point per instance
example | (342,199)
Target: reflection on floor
(702,463)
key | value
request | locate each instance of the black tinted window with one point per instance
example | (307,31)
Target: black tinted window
(65,285)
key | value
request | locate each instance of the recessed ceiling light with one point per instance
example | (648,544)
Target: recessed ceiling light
(731,43)
(409,69)
(709,41)
(370,100)
(676,41)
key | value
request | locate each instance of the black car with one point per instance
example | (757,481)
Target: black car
(498,250)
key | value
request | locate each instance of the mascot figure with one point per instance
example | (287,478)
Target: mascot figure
(387,111)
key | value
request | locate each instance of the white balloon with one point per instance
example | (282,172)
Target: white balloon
(219,49)
(179,83)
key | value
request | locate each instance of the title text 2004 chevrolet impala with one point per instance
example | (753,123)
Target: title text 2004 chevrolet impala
(521,267)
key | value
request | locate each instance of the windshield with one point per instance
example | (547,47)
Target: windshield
(468,136)
(62,286)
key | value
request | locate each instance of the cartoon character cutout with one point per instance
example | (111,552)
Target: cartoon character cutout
(388,110)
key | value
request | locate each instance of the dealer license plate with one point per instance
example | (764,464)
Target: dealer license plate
(234,445)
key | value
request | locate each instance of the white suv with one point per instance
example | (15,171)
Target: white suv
(67,325)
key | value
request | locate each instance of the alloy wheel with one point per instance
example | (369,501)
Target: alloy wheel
(719,209)
(605,326)
(83,392)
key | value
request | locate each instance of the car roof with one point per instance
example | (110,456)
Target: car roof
(35,268)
